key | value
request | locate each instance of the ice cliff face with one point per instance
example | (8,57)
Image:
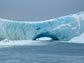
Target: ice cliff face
(63,28)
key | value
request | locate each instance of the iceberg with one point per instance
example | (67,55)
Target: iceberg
(63,28)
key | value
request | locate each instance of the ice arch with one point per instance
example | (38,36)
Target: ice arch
(62,28)
(43,35)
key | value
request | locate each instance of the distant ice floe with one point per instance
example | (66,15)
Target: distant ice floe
(9,43)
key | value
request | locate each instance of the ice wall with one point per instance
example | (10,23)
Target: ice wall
(62,28)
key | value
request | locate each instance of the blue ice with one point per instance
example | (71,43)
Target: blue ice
(62,28)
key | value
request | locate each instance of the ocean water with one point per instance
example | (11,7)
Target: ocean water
(41,52)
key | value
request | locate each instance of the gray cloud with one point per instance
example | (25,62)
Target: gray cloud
(38,9)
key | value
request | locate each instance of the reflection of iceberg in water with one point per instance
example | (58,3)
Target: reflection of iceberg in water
(63,28)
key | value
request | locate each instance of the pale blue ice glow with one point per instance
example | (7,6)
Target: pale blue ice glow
(63,28)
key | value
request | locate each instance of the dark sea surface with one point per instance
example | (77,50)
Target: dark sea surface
(54,52)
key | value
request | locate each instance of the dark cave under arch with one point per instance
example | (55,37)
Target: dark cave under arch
(46,35)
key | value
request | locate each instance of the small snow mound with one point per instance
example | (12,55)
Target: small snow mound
(79,39)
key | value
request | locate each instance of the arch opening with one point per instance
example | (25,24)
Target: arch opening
(44,38)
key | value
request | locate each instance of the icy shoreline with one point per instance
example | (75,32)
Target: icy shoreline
(9,43)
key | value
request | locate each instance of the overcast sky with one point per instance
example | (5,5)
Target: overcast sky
(38,9)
